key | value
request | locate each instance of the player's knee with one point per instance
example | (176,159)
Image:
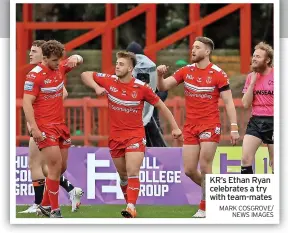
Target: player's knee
(247,160)
(190,172)
(123,178)
(205,167)
(34,163)
(123,175)
(54,164)
(45,170)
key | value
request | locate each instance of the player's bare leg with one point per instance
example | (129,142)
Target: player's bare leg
(120,164)
(190,156)
(133,163)
(207,153)
(249,148)
(271,156)
(35,160)
(75,193)
(53,158)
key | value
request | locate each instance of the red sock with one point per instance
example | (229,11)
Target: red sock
(202,205)
(124,190)
(45,199)
(133,190)
(53,192)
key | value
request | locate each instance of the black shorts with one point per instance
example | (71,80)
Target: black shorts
(262,127)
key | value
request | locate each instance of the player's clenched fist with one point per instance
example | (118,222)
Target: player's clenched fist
(162,69)
(176,133)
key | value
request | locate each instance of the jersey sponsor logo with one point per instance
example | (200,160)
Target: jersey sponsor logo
(101,75)
(67,141)
(50,96)
(134,146)
(208,79)
(113,89)
(263,92)
(122,109)
(134,94)
(271,82)
(217,130)
(202,96)
(31,76)
(188,76)
(205,135)
(47,81)
(199,79)
(124,92)
(28,86)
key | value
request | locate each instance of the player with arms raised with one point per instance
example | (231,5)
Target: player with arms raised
(259,93)
(44,111)
(204,83)
(37,165)
(126,96)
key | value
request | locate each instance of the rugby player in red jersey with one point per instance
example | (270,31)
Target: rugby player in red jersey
(37,165)
(44,111)
(126,96)
(204,83)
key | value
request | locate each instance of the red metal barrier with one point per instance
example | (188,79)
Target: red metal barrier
(82,117)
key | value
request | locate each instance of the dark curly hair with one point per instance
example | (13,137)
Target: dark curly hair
(53,47)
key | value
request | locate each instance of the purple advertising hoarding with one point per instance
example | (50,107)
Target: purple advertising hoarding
(162,177)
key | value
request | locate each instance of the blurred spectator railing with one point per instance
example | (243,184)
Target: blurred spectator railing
(89,124)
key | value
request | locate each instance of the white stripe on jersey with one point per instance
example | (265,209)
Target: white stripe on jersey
(36,69)
(52,89)
(214,67)
(123,102)
(137,81)
(198,89)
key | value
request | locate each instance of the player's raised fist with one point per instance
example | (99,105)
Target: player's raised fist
(72,62)
(162,69)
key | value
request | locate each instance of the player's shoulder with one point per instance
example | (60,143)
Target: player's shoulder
(103,75)
(36,72)
(140,84)
(184,69)
(217,70)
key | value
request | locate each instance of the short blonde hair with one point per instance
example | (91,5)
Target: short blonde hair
(268,49)
(128,55)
